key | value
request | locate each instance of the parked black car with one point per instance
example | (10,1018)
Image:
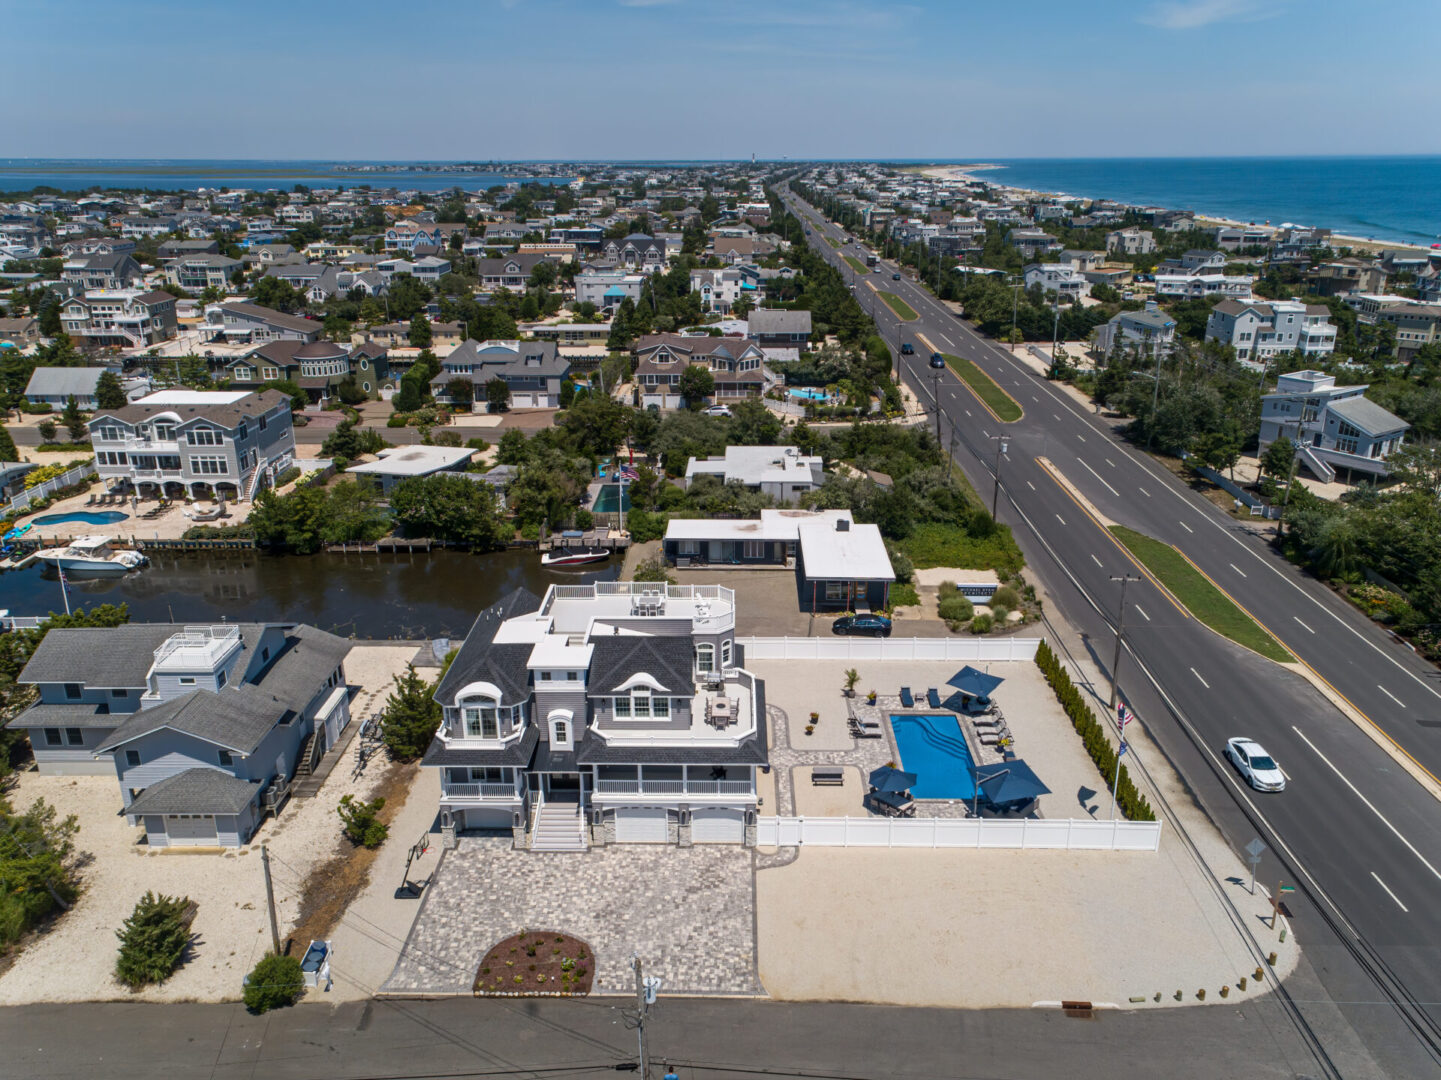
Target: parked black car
(865,625)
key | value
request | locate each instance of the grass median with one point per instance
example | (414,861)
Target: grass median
(1201,596)
(856,264)
(899,306)
(1006,408)
(834,242)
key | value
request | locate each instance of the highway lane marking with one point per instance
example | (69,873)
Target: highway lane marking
(1030,485)
(1369,805)
(1389,893)
(1390,695)
(1143,612)
(1097,475)
(1202,681)
(1303,625)
(965,410)
(1143,491)
(1056,417)
(1236,568)
(1111,463)
(1060,519)
(1035,399)
(1186,527)
(1080,436)
(1096,560)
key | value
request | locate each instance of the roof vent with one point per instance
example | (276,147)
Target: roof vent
(843,525)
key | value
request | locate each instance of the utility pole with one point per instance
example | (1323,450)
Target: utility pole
(270,900)
(1155,400)
(1124,579)
(1015,311)
(1002,445)
(1290,476)
(645,991)
(936,382)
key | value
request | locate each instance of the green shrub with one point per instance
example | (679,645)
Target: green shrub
(1006,597)
(1093,737)
(288,475)
(584,519)
(362,823)
(153,939)
(955,608)
(396,420)
(276,982)
(982,624)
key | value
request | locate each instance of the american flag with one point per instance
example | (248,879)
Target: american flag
(625,472)
(62,576)
(1123,715)
(1122,751)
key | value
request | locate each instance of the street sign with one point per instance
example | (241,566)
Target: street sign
(1254,848)
(1288,888)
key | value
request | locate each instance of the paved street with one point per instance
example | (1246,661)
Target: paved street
(690,912)
(1354,830)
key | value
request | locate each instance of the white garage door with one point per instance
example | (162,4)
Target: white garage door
(190,830)
(522,401)
(640,825)
(717,825)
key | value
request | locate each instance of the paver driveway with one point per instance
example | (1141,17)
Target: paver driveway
(689,913)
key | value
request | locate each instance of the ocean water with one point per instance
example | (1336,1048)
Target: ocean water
(1385,198)
(22,174)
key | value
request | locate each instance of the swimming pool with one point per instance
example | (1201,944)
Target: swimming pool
(932,747)
(606,499)
(808,393)
(108,517)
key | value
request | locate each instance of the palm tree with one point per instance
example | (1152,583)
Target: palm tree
(1337,552)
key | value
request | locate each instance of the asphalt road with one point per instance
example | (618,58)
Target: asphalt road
(701,1038)
(1354,831)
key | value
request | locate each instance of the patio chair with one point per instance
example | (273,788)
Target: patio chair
(893,803)
(933,698)
(908,701)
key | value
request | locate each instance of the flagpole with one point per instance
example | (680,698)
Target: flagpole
(1122,719)
(64,591)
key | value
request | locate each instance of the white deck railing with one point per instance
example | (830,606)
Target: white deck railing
(673,787)
(478,791)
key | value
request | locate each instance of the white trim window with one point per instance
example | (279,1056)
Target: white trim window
(705,657)
(641,704)
(726,652)
(482,719)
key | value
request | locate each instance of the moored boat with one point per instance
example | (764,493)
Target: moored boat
(92,555)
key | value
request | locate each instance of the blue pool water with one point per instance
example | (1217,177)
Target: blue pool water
(108,517)
(807,393)
(933,749)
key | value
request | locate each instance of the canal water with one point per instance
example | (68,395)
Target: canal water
(369,596)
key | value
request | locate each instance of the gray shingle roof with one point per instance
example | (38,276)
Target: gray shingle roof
(615,659)
(226,415)
(481,660)
(64,381)
(517,754)
(1367,415)
(275,318)
(779,321)
(63,715)
(103,658)
(195,791)
(236,719)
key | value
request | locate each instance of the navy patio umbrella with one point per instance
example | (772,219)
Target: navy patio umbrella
(1007,782)
(974,683)
(888,778)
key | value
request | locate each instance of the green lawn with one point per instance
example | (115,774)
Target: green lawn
(899,306)
(933,544)
(1203,599)
(904,596)
(1001,403)
(856,264)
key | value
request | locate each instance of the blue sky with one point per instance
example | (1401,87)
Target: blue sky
(513,79)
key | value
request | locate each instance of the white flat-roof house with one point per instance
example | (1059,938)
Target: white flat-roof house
(615,712)
(1130,242)
(397,463)
(1060,278)
(1333,427)
(1193,286)
(1259,331)
(782,472)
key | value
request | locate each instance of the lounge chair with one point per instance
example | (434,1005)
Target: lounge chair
(933,698)
(907,700)
(866,729)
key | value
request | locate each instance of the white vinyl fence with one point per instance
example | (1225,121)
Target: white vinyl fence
(1067,834)
(55,483)
(895,648)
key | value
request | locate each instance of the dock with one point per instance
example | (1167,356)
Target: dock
(611,539)
(385,543)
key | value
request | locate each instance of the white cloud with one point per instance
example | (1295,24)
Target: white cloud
(1193,14)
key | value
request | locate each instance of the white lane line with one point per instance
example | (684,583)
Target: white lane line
(1236,568)
(1030,485)
(1097,475)
(1095,560)
(1035,399)
(1390,695)
(985,434)
(1303,625)
(1186,527)
(1389,893)
(968,412)
(1143,491)
(1143,613)
(1369,805)
(1080,436)
(1198,676)
(1111,463)
(1057,418)
(1060,519)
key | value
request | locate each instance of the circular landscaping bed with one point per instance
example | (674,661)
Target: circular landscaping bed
(537,962)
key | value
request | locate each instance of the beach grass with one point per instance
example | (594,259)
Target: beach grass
(934,544)
(1202,597)
(899,306)
(1006,408)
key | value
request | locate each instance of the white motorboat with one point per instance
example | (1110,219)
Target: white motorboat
(92,555)
(574,556)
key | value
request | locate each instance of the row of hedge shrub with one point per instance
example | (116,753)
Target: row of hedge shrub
(1132,803)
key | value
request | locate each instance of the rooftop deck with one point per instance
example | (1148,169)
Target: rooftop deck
(575,607)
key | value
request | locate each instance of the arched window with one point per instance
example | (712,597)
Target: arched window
(482,719)
(705,657)
(726,653)
(558,733)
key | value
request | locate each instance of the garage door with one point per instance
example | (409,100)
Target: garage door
(190,830)
(640,825)
(522,401)
(717,825)
(489,817)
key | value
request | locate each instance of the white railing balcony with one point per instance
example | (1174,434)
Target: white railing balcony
(478,791)
(673,787)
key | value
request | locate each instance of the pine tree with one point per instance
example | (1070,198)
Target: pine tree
(7,446)
(153,939)
(411,716)
(109,394)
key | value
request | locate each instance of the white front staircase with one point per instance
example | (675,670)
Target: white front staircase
(557,826)
(1319,466)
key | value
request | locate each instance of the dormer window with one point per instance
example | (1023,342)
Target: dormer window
(482,720)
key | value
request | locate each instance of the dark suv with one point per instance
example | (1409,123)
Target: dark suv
(937,360)
(907,349)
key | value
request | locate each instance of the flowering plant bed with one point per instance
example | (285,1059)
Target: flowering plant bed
(537,962)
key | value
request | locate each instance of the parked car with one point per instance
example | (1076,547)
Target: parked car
(865,625)
(1257,767)
(907,349)
(717,410)
(937,360)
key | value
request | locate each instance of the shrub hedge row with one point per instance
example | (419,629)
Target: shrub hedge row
(1132,803)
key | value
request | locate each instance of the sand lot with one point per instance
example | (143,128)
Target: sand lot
(73,961)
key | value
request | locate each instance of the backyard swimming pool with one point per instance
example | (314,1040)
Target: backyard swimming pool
(808,393)
(108,517)
(607,500)
(932,747)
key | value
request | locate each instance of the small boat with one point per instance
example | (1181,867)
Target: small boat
(19,531)
(569,556)
(92,555)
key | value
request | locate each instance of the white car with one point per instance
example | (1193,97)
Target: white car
(717,410)
(1257,766)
